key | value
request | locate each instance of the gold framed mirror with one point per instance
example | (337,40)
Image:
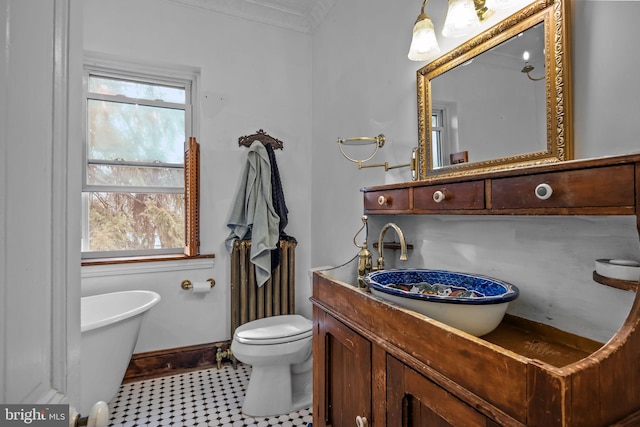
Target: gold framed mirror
(487,105)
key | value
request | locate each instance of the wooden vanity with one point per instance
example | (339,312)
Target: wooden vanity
(390,366)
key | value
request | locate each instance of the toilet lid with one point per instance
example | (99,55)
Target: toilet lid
(274,330)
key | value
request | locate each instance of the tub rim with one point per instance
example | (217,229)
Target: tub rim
(153,299)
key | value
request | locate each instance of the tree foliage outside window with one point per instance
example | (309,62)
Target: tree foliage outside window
(134,175)
(135,221)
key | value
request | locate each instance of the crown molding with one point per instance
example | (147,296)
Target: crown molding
(296,15)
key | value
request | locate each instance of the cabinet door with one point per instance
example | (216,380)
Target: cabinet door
(413,400)
(342,373)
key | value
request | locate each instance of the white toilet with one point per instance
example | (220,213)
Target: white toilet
(278,348)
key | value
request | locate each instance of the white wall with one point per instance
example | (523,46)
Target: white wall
(253,77)
(363,85)
(606,84)
(367,86)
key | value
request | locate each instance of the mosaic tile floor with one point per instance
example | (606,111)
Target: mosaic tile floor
(209,397)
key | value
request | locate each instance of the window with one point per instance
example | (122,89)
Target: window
(438,136)
(444,132)
(134,198)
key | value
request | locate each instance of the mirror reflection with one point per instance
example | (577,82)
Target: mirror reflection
(488,107)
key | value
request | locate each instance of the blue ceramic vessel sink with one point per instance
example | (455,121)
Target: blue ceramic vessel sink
(472,303)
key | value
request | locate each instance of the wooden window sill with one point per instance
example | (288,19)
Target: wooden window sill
(145,258)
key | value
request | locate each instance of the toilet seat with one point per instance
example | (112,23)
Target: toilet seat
(274,330)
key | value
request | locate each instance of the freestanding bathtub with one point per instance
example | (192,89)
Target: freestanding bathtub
(110,324)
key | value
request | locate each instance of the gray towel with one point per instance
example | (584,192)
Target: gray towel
(253,216)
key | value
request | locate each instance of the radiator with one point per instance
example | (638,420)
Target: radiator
(275,297)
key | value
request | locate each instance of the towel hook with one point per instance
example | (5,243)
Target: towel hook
(263,137)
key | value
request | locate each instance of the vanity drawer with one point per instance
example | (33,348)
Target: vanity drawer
(390,200)
(610,186)
(464,195)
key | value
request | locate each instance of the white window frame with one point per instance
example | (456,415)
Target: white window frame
(438,145)
(448,142)
(111,66)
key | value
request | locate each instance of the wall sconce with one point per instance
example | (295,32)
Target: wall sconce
(528,68)
(485,12)
(463,18)
(377,142)
(424,44)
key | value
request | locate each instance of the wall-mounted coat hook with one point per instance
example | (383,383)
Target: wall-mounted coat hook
(261,136)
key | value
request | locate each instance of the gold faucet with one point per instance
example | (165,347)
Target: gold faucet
(365,261)
(403,244)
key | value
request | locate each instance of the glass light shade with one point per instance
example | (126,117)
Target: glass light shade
(424,44)
(461,20)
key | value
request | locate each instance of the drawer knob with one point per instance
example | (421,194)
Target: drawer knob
(438,196)
(382,200)
(361,421)
(543,191)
